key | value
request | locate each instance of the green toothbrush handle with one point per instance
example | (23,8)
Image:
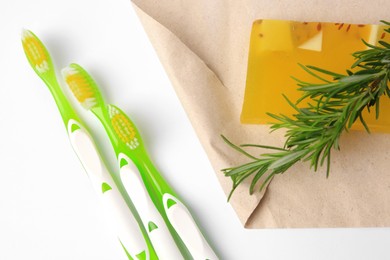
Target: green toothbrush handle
(177,214)
(114,206)
(186,227)
(158,232)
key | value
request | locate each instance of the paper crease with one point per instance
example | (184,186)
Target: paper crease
(192,109)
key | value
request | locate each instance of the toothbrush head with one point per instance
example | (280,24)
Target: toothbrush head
(82,86)
(124,128)
(36,53)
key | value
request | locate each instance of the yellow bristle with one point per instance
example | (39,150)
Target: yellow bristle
(35,52)
(79,87)
(123,128)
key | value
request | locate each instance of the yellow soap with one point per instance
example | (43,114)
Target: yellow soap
(276,48)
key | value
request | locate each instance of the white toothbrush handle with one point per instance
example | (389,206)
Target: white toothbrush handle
(114,205)
(185,226)
(158,232)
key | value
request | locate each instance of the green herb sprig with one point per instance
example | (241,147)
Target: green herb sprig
(332,108)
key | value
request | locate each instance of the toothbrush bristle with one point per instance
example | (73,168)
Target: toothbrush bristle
(80,85)
(35,52)
(123,127)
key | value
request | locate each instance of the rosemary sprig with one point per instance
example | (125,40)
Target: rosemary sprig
(332,107)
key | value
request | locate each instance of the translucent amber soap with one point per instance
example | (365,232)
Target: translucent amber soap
(276,48)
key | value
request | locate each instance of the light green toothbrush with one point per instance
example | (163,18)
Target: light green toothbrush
(158,232)
(135,243)
(135,165)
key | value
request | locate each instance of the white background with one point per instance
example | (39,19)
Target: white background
(48,210)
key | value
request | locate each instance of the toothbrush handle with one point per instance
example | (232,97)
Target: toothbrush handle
(158,232)
(114,205)
(186,227)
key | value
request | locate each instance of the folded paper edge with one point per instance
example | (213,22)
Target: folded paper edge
(243,214)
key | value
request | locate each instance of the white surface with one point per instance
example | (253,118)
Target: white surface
(48,209)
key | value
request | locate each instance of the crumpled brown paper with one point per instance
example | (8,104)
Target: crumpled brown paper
(203,46)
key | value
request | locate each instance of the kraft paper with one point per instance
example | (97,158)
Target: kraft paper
(203,46)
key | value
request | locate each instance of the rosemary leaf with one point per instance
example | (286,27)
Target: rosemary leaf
(332,108)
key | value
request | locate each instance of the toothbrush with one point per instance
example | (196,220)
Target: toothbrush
(126,226)
(165,247)
(136,166)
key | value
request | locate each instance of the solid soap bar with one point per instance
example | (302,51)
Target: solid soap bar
(276,48)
